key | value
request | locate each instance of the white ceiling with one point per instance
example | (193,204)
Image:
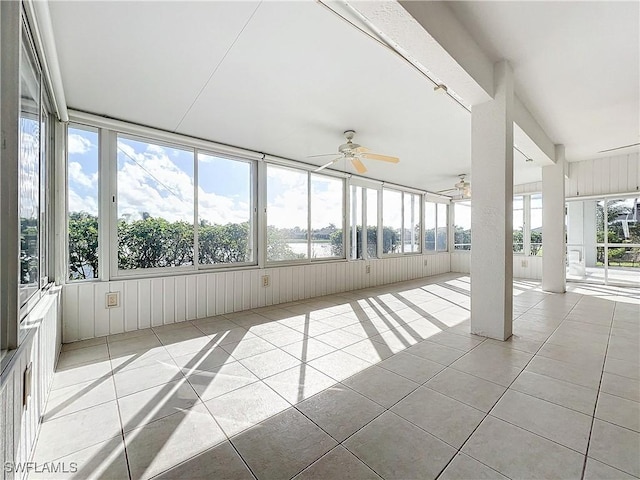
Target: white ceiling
(284,78)
(576,66)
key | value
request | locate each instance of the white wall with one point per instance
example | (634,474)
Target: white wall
(532,270)
(615,174)
(40,348)
(160,301)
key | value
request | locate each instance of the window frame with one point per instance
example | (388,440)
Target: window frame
(453,228)
(420,214)
(438,225)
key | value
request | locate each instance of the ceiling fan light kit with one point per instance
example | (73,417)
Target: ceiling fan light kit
(355,153)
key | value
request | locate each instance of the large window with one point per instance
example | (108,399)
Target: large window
(518,224)
(155,205)
(327,199)
(225,210)
(372,222)
(29,174)
(411,225)
(536,224)
(462,226)
(82,202)
(356,217)
(391,221)
(435,227)
(299,203)
(364,211)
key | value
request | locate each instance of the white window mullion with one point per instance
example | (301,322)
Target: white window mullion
(526,230)
(108,208)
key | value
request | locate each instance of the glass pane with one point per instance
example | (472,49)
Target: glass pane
(442,227)
(326,216)
(355,230)
(29,177)
(518,224)
(536,225)
(287,214)
(462,225)
(225,210)
(45,223)
(392,221)
(623,226)
(411,233)
(600,219)
(430,225)
(372,222)
(82,202)
(155,205)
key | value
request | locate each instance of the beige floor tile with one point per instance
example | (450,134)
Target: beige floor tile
(370,351)
(283,445)
(381,386)
(269,363)
(211,325)
(556,423)
(65,377)
(308,350)
(622,368)
(141,358)
(92,342)
(463,467)
(83,356)
(234,335)
(476,392)
(280,339)
(517,453)
(495,370)
(338,463)
(436,352)
(248,347)
(340,411)
(76,397)
(203,361)
(339,365)
(461,342)
(573,355)
(442,416)
(126,335)
(219,380)
(395,448)
(299,383)
(197,344)
(105,460)
(584,376)
(220,462)
(570,395)
(339,338)
(620,386)
(64,435)
(618,410)
(154,403)
(245,407)
(135,380)
(158,446)
(134,344)
(596,470)
(409,366)
(616,446)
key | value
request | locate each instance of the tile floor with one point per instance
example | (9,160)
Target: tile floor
(375,383)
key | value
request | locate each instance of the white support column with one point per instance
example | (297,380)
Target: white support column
(553,235)
(492,210)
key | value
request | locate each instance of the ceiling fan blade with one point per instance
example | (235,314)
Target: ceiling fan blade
(447,190)
(358,165)
(327,164)
(377,156)
(362,149)
(323,155)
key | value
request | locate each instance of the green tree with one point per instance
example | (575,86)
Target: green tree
(277,244)
(390,241)
(224,243)
(83,245)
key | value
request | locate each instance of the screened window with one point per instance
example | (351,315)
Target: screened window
(411,225)
(225,210)
(29,175)
(287,214)
(392,221)
(363,240)
(462,225)
(356,217)
(155,205)
(441,241)
(536,224)
(518,224)
(430,226)
(82,202)
(372,222)
(327,199)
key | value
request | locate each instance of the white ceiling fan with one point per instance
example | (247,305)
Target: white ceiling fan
(461,189)
(355,153)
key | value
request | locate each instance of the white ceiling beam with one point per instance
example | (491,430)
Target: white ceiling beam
(536,135)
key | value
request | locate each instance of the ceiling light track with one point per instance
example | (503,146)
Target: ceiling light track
(389,44)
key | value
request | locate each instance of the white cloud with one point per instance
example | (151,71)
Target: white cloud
(77,144)
(78,176)
(76,203)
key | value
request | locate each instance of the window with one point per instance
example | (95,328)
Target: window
(411,225)
(536,224)
(287,214)
(155,205)
(392,221)
(225,210)
(462,226)
(82,202)
(518,224)
(327,199)
(372,222)
(441,242)
(435,229)
(29,174)
(355,230)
